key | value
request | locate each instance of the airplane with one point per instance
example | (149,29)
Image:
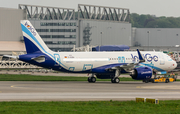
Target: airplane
(103,65)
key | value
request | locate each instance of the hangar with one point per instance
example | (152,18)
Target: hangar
(64,28)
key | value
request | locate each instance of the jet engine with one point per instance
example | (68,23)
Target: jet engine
(141,73)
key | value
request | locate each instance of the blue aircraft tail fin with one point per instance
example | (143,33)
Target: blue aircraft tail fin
(33,41)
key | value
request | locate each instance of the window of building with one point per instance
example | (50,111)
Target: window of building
(56,30)
(57,24)
(61,49)
(59,36)
(61,42)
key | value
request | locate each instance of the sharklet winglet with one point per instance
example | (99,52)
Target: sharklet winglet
(141,58)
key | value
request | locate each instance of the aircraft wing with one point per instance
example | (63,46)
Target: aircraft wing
(129,66)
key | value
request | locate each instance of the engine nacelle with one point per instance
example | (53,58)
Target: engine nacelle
(141,73)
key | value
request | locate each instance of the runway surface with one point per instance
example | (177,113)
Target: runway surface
(84,91)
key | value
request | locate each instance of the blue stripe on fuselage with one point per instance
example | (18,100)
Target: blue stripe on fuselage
(156,68)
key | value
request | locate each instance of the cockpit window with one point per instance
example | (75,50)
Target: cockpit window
(169,58)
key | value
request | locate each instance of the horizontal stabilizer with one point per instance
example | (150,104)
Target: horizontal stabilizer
(14,57)
(39,59)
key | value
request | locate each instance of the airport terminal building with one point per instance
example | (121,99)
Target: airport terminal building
(62,29)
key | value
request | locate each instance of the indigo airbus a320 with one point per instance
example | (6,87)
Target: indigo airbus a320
(104,65)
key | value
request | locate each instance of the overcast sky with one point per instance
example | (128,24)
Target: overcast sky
(166,8)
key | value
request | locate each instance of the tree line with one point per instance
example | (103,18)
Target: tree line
(149,21)
(139,21)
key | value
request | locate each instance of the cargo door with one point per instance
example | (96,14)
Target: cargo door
(161,59)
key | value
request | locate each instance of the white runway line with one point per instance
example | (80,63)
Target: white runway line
(76,96)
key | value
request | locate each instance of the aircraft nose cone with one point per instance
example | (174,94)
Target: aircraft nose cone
(174,64)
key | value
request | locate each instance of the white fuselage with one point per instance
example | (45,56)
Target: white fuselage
(79,61)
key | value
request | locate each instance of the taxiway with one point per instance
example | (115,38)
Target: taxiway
(84,91)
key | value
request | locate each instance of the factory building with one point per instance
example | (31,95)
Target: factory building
(10,32)
(65,28)
(62,28)
(157,38)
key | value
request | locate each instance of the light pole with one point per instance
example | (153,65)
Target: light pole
(177,41)
(148,39)
(177,54)
(101,40)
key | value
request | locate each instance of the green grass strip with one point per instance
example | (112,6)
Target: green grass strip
(27,77)
(90,107)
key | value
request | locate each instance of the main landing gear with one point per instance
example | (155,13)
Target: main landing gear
(91,79)
(115,79)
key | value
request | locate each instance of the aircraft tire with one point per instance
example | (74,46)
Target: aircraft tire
(112,81)
(146,81)
(116,80)
(152,80)
(93,79)
(89,79)
(167,80)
